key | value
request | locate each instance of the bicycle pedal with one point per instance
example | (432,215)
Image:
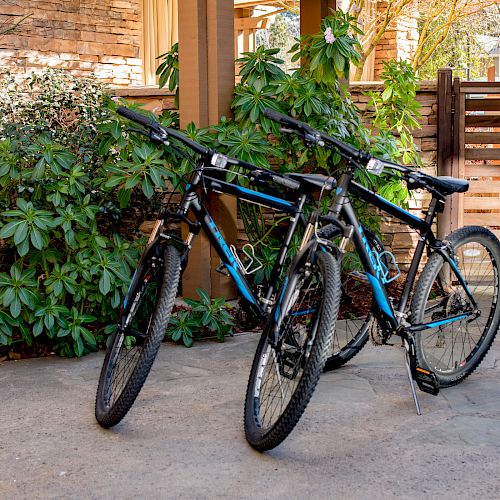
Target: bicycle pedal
(426,380)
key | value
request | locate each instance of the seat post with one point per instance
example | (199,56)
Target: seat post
(436,206)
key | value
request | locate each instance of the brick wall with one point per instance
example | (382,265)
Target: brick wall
(399,40)
(83,36)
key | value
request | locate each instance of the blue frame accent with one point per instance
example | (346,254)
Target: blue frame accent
(128,291)
(458,273)
(445,321)
(303,313)
(232,266)
(263,196)
(380,295)
(278,305)
(369,251)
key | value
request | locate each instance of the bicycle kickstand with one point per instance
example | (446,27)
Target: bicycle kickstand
(425,379)
(410,376)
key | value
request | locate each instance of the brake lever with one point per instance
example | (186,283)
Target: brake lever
(310,139)
(141,131)
(289,130)
(151,134)
(313,139)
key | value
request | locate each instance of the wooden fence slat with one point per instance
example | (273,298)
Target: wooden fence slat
(482,121)
(482,154)
(482,171)
(480,88)
(473,203)
(482,104)
(482,138)
(476,219)
(481,187)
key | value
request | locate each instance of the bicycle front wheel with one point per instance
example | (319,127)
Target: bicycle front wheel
(355,315)
(292,351)
(453,349)
(131,353)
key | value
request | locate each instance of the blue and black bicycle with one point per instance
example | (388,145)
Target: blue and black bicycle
(311,294)
(447,320)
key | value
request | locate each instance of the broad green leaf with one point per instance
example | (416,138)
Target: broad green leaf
(21,233)
(10,228)
(147,187)
(37,238)
(105,282)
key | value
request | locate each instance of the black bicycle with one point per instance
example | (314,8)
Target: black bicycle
(310,291)
(447,322)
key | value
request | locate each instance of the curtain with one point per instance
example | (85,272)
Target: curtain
(160,32)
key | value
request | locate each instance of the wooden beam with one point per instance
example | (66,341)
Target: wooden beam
(475,219)
(480,88)
(482,138)
(312,13)
(482,187)
(483,203)
(206,76)
(482,154)
(445,141)
(482,170)
(482,121)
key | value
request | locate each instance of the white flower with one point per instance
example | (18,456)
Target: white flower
(329,38)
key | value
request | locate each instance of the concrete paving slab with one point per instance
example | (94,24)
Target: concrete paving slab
(359,438)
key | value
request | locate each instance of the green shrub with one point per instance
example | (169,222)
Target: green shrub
(205,317)
(65,262)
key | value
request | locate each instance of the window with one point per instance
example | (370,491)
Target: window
(160,32)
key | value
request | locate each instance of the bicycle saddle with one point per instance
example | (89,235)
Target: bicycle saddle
(314,182)
(443,184)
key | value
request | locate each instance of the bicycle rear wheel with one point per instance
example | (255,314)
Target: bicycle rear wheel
(292,351)
(453,350)
(132,351)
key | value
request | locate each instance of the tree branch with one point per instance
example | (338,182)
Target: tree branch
(12,27)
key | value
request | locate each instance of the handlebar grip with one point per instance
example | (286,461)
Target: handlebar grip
(162,131)
(138,118)
(285,181)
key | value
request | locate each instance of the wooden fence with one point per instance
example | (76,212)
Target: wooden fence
(469,147)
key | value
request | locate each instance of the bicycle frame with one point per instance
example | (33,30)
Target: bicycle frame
(393,318)
(192,203)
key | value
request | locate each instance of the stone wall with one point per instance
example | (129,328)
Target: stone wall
(82,36)
(152,99)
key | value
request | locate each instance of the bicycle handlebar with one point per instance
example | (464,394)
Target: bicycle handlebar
(374,165)
(165,132)
(162,131)
(316,136)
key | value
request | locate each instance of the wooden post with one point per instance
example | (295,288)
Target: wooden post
(458,165)
(445,140)
(312,12)
(206,76)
